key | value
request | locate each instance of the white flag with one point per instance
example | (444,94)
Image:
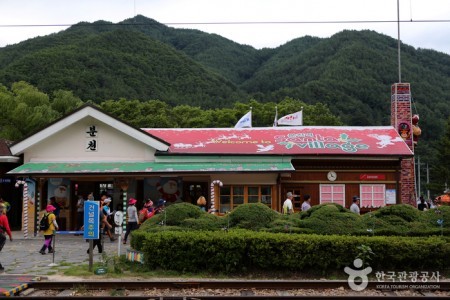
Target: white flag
(295,119)
(245,121)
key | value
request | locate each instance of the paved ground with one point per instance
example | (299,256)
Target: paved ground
(21,256)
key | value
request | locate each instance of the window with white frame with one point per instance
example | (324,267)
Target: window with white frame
(332,193)
(372,195)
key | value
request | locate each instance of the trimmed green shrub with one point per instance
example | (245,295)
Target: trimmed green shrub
(251,216)
(313,209)
(404,220)
(404,211)
(244,250)
(330,219)
(399,220)
(204,222)
(431,217)
(175,214)
(286,224)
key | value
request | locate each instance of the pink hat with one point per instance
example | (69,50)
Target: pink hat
(132,201)
(50,208)
(149,203)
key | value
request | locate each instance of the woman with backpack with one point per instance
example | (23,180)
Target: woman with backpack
(50,218)
(147,211)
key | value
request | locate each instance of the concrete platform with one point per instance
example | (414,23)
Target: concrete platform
(21,256)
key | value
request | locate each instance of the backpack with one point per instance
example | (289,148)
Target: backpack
(142,216)
(44,224)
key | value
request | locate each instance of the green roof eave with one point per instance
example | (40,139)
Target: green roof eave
(87,168)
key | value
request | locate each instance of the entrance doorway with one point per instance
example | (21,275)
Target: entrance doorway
(84,188)
(193,190)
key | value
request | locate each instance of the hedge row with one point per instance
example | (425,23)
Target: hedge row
(330,219)
(243,250)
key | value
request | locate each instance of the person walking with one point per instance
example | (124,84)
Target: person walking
(132,223)
(4,229)
(307,203)
(108,216)
(287,205)
(355,206)
(201,202)
(50,231)
(6,205)
(147,211)
(103,223)
(423,206)
(80,211)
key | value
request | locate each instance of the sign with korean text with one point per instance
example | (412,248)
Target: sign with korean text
(372,176)
(91,138)
(91,220)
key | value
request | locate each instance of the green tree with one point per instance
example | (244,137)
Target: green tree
(441,171)
(24,110)
(65,101)
(186,116)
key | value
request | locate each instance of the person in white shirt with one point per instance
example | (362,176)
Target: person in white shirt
(287,205)
(133,218)
(355,206)
(307,203)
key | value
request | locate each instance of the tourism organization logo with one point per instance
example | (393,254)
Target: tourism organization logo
(358,279)
(353,275)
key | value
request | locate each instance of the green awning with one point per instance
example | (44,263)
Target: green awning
(147,167)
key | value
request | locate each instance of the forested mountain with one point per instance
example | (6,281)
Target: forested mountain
(112,64)
(139,58)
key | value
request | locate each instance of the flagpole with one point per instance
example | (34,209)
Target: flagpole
(276,116)
(399,43)
(302,114)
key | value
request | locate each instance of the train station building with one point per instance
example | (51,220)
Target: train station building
(89,150)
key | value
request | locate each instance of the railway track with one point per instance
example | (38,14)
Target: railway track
(228,289)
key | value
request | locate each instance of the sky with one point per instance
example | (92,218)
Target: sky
(272,22)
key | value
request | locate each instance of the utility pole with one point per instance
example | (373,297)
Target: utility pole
(418,175)
(398,43)
(428,182)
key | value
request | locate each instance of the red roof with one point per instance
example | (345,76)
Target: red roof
(312,140)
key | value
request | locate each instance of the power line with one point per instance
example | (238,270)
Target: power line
(229,23)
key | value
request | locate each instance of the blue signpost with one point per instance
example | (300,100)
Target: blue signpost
(91,220)
(91,226)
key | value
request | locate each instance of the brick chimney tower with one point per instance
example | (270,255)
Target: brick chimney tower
(401,120)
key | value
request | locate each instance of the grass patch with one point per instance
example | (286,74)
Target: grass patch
(51,273)
(80,270)
(65,264)
(132,270)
